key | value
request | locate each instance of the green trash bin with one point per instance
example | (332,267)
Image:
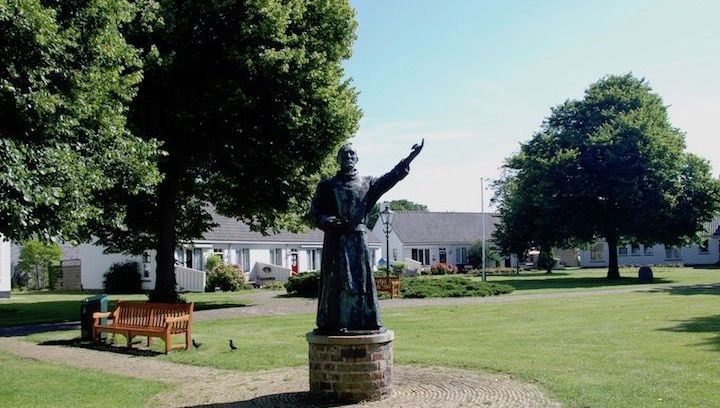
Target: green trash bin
(88,306)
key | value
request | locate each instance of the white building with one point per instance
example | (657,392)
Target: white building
(432,237)
(5,274)
(284,253)
(706,253)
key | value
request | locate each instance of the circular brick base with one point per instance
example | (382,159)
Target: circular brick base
(351,368)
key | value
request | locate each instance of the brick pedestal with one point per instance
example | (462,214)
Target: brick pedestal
(351,368)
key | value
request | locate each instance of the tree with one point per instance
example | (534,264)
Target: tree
(250,101)
(35,260)
(611,166)
(395,205)
(66,78)
(475,257)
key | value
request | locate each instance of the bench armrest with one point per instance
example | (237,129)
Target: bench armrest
(101,315)
(171,320)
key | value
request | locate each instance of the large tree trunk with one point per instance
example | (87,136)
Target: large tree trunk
(165,284)
(613,270)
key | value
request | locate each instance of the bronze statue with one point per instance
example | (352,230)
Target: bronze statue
(347,302)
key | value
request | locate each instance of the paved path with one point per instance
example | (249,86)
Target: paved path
(288,387)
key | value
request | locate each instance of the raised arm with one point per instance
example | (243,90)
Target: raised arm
(384,183)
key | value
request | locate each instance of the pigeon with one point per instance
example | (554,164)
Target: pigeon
(232,345)
(196,344)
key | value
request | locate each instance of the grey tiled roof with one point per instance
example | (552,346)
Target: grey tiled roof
(439,227)
(232,230)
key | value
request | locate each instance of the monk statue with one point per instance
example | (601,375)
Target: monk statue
(347,302)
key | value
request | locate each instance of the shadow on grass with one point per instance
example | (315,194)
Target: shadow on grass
(294,295)
(703,289)
(706,324)
(573,283)
(76,342)
(285,399)
(62,311)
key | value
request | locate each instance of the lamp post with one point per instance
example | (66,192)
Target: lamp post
(386,217)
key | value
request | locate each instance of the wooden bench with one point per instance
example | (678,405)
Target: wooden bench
(390,284)
(161,320)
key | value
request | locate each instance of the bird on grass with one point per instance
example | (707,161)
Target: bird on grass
(232,345)
(196,344)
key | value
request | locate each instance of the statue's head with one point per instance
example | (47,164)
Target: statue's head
(347,158)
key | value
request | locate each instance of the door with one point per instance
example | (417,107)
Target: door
(189,258)
(294,262)
(443,255)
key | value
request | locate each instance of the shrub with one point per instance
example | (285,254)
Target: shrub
(19,279)
(229,278)
(398,268)
(213,262)
(453,286)
(123,277)
(546,260)
(305,284)
(442,269)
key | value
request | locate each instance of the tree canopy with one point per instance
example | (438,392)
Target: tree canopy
(67,75)
(395,205)
(250,101)
(611,166)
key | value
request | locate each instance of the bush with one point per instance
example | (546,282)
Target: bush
(229,278)
(123,277)
(19,279)
(546,260)
(213,262)
(442,269)
(454,286)
(305,284)
(398,268)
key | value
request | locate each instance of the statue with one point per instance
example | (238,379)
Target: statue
(347,302)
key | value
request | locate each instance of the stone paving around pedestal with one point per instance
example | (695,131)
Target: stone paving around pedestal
(288,387)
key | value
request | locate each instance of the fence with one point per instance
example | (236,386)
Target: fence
(189,280)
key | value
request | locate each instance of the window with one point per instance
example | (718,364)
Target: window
(394,254)
(245,259)
(672,252)
(705,247)
(648,250)
(635,249)
(220,253)
(276,257)
(461,255)
(313,259)
(597,252)
(622,251)
(421,255)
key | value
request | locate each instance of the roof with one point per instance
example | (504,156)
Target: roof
(418,227)
(231,230)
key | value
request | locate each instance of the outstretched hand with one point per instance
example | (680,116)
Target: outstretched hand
(415,150)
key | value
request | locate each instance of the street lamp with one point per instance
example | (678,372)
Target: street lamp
(386,216)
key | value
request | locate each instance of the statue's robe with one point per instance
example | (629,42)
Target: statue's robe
(347,302)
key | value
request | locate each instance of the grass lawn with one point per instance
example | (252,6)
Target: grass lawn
(30,383)
(25,308)
(594,279)
(641,349)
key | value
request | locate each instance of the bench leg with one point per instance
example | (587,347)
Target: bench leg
(149,342)
(188,338)
(129,340)
(167,342)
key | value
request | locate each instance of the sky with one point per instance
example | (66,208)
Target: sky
(476,78)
